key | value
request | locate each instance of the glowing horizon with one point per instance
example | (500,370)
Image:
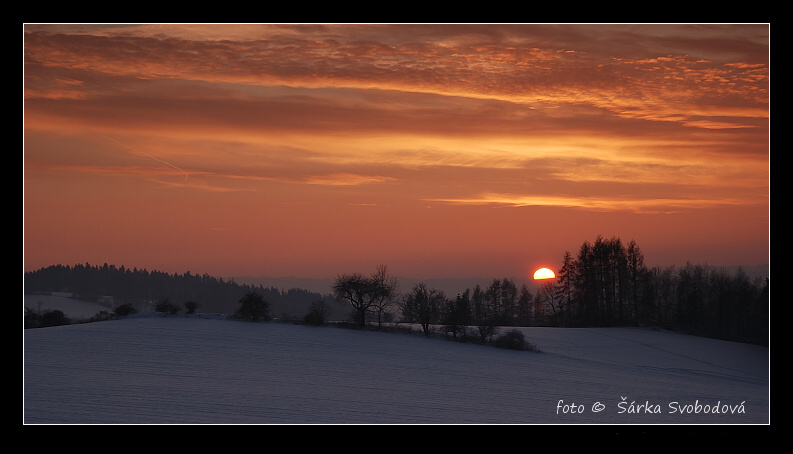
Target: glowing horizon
(438,150)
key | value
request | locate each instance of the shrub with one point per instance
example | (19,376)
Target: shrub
(190,307)
(54,318)
(457,331)
(166,307)
(513,340)
(317,314)
(101,316)
(124,310)
(31,318)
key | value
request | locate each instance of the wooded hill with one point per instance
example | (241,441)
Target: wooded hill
(143,289)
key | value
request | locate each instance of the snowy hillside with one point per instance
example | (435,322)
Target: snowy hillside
(157,369)
(71,307)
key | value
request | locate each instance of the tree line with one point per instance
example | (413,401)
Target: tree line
(144,289)
(605,284)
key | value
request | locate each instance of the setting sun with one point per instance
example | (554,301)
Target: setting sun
(544,273)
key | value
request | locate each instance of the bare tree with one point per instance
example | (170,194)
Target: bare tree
(382,280)
(547,292)
(457,314)
(482,315)
(364,293)
(318,313)
(423,305)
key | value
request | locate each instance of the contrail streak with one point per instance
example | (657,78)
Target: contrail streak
(186,174)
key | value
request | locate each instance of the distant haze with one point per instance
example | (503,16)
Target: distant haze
(451,286)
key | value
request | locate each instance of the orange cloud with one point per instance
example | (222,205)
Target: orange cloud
(602,203)
(267,128)
(346,179)
(513,71)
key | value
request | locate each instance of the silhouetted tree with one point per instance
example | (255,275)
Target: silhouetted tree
(585,286)
(364,292)
(493,302)
(547,294)
(602,287)
(637,273)
(381,305)
(423,306)
(190,306)
(525,299)
(509,302)
(318,313)
(565,283)
(457,314)
(690,294)
(253,307)
(482,315)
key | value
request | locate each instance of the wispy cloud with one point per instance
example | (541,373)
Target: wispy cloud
(327,118)
(346,179)
(659,205)
(529,65)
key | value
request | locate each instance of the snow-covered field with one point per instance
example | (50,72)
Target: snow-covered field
(71,307)
(203,369)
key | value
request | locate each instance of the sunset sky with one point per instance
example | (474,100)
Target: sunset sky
(447,150)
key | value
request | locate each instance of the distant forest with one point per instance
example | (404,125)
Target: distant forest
(606,283)
(143,289)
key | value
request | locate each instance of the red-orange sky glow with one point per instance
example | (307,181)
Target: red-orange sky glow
(447,150)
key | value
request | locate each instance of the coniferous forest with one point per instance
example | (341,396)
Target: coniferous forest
(605,283)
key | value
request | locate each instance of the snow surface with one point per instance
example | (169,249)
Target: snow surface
(205,369)
(71,307)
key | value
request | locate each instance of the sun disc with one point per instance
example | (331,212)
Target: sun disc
(544,273)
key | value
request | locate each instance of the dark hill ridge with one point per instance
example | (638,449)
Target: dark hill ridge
(143,288)
(602,290)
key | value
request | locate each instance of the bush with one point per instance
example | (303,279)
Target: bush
(47,318)
(190,306)
(513,340)
(124,310)
(458,332)
(317,314)
(101,316)
(31,318)
(166,307)
(54,318)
